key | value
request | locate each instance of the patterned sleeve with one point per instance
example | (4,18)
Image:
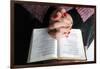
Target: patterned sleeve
(85,13)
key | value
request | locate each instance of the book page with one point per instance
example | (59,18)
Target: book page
(43,46)
(72,47)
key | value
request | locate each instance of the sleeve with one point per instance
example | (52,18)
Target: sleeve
(85,12)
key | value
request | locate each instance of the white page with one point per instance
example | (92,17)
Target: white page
(43,46)
(72,47)
(90,52)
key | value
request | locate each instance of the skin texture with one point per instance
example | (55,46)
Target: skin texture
(60,24)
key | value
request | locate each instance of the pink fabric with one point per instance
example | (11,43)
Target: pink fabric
(85,13)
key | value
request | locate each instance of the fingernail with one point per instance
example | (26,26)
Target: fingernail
(65,14)
(55,16)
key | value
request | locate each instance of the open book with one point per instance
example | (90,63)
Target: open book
(44,47)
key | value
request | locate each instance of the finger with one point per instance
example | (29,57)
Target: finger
(62,10)
(59,35)
(60,24)
(57,25)
(63,30)
(66,20)
(69,18)
(56,35)
(67,35)
(56,16)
